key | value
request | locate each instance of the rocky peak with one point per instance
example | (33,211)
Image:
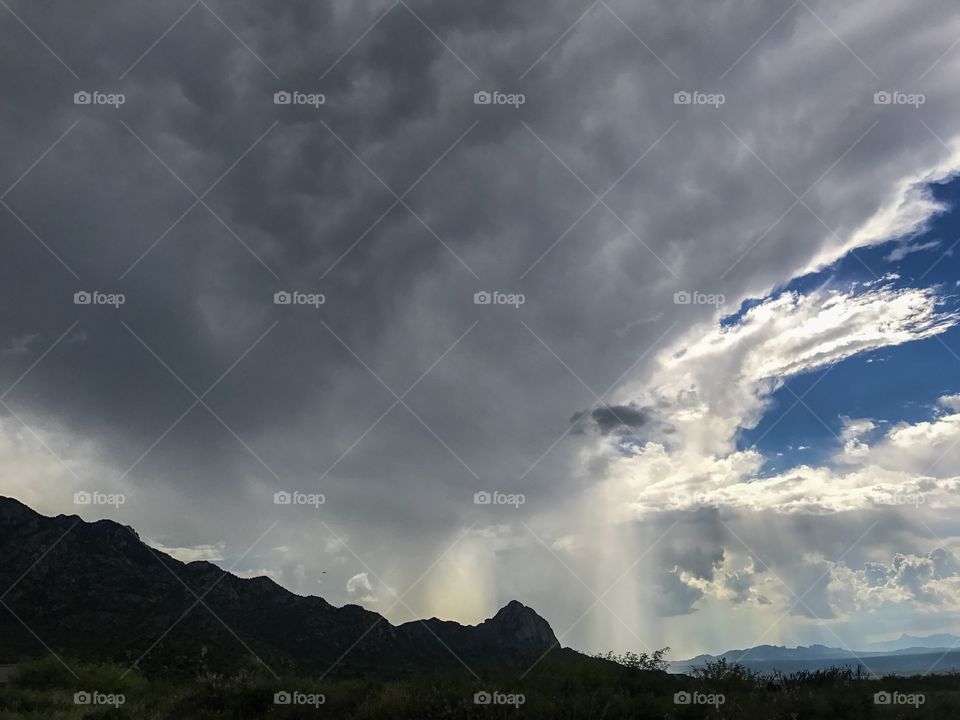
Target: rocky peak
(519,626)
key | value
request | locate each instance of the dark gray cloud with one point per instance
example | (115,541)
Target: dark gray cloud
(701,563)
(610,419)
(740,584)
(676,597)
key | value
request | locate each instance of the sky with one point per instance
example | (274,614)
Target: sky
(673,285)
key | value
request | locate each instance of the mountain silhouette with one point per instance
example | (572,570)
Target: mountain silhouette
(917,642)
(906,655)
(95,591)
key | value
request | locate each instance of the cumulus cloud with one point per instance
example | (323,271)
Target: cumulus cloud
(715,382)
(929,581)
(359,587)
(950,402)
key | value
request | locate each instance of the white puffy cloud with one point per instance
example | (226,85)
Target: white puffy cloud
(360,588)
(951,402)
(718,380)
(929,581)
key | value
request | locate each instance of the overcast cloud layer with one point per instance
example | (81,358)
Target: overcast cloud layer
(612,408)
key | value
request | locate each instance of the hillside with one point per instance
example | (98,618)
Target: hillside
(96,591)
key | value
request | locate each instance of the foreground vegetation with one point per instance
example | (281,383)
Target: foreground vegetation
(567,686)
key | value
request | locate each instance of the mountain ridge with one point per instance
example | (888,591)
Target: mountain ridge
(905,644)
(96,590)
(903,655)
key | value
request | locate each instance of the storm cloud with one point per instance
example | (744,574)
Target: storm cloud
(609,419)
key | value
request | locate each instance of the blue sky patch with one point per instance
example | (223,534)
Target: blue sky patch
(889,385)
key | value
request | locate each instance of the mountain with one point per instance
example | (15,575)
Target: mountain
(766,653)
(97,592)
(911,642)
(904,656)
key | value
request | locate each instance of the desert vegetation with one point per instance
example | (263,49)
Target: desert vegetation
(628,685)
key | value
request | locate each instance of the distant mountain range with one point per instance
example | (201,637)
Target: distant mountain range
(95,591)
(911,642)
(908,654)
